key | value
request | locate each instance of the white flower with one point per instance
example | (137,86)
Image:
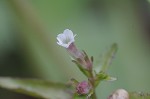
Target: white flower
(65,38)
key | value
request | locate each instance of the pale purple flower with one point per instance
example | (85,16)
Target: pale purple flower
(83,88)
(65,38)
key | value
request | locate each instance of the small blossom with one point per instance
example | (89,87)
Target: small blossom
(119,94)
(65,38)
(83,88)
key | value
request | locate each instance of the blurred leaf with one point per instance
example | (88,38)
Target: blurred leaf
(139,95)
(109,56)
(84,71)
(74,82)
(76,96)
(103,76)
(36,88)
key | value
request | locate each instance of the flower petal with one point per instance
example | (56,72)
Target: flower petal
(65,38)
(69,34)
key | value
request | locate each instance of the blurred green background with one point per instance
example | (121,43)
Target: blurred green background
(28,49)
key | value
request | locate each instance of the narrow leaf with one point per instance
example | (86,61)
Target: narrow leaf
(109,56)
(103,76)
(73,82)
(36,88)
(85,72)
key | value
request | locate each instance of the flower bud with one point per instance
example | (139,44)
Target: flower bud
(119,94)
(83,88)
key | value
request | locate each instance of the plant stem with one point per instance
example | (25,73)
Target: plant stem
(94,95)
(92,81)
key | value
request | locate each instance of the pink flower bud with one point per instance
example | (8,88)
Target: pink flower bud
(83,88)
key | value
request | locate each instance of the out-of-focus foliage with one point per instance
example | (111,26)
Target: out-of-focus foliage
(37,88)
(139,95)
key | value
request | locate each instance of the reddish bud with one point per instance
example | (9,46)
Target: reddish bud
(83,88)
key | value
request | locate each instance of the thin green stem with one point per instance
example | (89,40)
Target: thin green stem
(92,81)
(94,95)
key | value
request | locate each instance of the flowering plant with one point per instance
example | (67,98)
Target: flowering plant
(85,64)
(74,89)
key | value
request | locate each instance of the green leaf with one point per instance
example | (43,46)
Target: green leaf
(73,82)
(76,96)
(36,88)
(109,56)
(84,71)
(139,95)
(103,76)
